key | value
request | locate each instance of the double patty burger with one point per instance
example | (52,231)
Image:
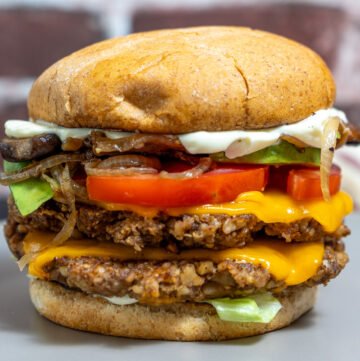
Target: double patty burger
(179,185)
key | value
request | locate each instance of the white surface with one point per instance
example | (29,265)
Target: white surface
(329,332)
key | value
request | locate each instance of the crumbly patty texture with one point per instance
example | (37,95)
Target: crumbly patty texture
(178,281)
(158,82)
(180,322)
(186,231)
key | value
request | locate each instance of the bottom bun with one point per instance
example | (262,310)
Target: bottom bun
(182,321)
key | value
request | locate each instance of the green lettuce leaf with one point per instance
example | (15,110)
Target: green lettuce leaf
(282,153)
(30,194)
(257,308)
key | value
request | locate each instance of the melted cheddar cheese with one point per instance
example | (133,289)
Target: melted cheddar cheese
(269,207)
(293,263)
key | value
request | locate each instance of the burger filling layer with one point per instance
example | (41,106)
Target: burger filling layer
(178,281)
(213,231)
(229,218)
(157,276)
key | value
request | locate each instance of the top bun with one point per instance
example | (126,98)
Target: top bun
(184,80)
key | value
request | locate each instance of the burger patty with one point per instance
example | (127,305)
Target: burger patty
(185,231)
(179,281)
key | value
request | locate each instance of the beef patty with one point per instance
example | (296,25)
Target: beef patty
(185,231)
(178,281)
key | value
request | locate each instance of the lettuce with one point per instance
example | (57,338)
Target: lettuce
(256,308)
(281,153)
(30,194)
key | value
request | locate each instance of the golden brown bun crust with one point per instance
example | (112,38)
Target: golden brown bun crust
(184,80)
(181,322)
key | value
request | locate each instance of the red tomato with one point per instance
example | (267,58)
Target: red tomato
(304,183)
(223,184)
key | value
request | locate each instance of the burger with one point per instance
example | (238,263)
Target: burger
(179,185)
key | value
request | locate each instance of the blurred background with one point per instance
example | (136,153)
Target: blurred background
(36,33)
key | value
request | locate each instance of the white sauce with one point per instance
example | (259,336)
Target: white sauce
(235,143)
(24,129)
(120,301)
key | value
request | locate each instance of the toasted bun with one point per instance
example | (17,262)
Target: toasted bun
(184,80)
(185,322)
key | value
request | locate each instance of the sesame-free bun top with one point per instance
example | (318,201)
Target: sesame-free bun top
(184,80)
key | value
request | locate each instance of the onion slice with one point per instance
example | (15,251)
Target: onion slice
(149,143)
(346,132)
(130,161)
(27,258)
(36,169)
(203,166)
(123,165)
(69,225)
(293,140)
(80,191)
(92,170)
(328,145)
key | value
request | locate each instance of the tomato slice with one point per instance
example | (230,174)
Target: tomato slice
(304,183)
(222,184)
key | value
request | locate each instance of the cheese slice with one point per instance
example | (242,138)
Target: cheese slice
(269,207)
(293,263)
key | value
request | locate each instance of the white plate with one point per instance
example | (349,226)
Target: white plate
(329,332)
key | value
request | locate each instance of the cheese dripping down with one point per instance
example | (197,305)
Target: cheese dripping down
(268,206)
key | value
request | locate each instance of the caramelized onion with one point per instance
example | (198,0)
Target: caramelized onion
(69,225)
(123,165)
(328,145)
(28,257)
(345,134)
(353,136)
(91,169)
(203,166)
(185,157)
(130,161)
(152,143)
(293,140)
(72,144)
(80,191)
(36,169)
(55,186)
